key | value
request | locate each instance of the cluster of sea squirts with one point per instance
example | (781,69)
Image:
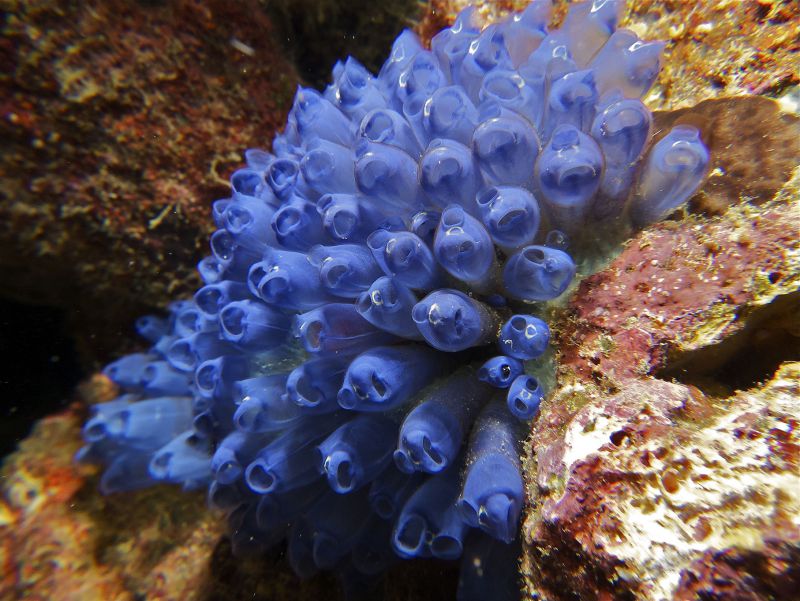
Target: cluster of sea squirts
(351,377)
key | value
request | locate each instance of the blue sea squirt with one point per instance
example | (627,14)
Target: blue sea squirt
(352,375)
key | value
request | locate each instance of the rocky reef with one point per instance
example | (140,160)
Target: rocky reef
(661,462)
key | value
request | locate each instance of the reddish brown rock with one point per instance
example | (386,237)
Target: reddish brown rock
(655,491)
(772,572)
(120,123)
(677,287)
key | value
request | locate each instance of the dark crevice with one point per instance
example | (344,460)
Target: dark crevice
(770,337)
(317,34)
(39,369)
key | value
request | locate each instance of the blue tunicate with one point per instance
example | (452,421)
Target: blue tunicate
(432,433)
(284,178)
(672,172)
(509,90)
(452,44)
(335,328)
(452,321)
(449,113)
(421,75)
(355,453)
(628,64)
(317,117)
(463,247)
(506,147)
(622,130)
(485,55)
(354,90)
(404,48)
(523,32)
(524,397)
(511,215)
(571,101)
(212,298)
(405,257)
(348,217)
(233,454)
(524,337)
(152,327)
(248,220)
(184,460)
(588,25)
(393,227)
(387,305)
(185,354)
(390,127)
(492,494)
(385,377)
(424,224)
(500,371)
(160,378)
(538,273)
(568,172)
(263,406)
(297,225)
(126,471)
(291,460)
(429,523)
(287,280)
(191,320)
(233,256)
(253,324)
(215,378)
(448,174)
(211,270)
(226,497)
(258,160)
(128,371)
(314,385)
(387,173)
(328,167)
(345,270)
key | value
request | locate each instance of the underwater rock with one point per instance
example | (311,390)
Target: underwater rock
(655,491)
(680,287)
(119,119)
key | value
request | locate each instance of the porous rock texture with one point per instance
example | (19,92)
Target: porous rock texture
(660,492)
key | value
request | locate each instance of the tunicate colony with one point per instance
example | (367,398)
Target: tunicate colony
(352,375)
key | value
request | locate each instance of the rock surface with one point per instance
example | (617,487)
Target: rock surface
(661,492)
(120,123)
